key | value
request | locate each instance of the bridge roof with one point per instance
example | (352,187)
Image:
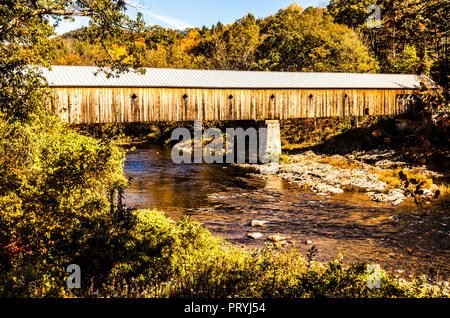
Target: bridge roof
(84,76)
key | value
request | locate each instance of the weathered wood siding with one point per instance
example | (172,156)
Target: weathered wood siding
(117,105)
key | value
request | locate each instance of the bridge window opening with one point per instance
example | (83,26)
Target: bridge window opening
(311,96)
(230,97)
(133,97)
(272,96)
(185,96)
(345,96)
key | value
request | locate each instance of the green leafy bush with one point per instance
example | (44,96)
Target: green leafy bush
(54,187)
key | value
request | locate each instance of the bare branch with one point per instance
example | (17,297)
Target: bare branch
(61,12)
(40,12)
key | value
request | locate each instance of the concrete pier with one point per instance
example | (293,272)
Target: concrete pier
(272,143)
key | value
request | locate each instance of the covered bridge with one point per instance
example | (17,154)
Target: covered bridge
(80,96)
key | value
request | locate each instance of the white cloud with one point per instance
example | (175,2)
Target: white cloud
(175,23)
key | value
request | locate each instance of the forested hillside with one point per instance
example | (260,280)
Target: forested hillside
(412,39)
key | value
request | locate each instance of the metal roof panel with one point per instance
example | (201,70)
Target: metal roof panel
(84,76)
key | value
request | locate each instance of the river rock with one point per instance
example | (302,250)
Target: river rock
(307,242)
(255,235)
(277,238)
(385,164)
(427,192)
(328,175)
(271,168)
(395,197)
(258,223)
(198,210)
(369,184)
(377,154)
(325,188)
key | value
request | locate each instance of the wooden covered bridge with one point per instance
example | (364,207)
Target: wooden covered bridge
(80,96)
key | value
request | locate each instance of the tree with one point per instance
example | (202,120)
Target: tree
(25,42)
(25,28)
(297,40)
(352,13)
(241,42)
(57,187)
(293,40)
(407,26)
(407,61)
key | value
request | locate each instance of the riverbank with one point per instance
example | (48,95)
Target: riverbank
(385,179)
(388,159)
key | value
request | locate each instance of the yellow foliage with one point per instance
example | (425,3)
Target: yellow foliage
(119,52)
(191,40)
(391,177)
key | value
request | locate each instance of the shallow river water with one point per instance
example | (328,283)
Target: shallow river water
(405,240)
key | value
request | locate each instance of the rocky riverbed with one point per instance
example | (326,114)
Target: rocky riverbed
(380,174)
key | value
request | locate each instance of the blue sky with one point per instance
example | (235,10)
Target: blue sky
(180,14)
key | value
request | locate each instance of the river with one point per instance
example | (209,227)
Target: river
(405,240)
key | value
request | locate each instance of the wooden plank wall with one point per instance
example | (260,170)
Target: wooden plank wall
(117,105)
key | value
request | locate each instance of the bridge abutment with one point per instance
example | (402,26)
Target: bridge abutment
(272,140)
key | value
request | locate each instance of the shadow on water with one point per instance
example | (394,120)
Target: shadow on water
(405,239)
